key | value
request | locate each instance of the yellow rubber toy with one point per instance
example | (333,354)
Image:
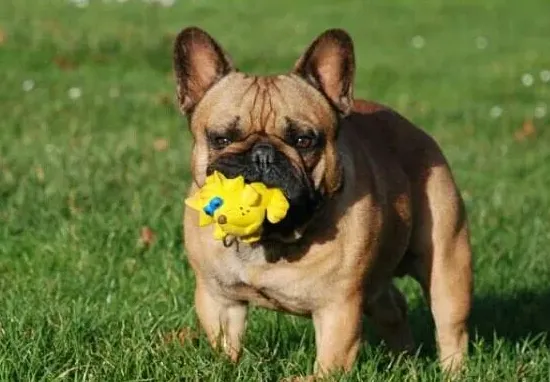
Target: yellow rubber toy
(236,208)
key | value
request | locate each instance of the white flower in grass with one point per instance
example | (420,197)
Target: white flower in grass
(28,85)
(80,3)
(75,93)
(418,42)
(527,80)
(504,149)
(545,75)
(114,92)
(540,110)
(495,112)
(166,3)
(481,42)
(498,197)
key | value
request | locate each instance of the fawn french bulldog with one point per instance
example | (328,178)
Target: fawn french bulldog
(371,198)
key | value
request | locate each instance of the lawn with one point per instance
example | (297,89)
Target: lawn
(94,166)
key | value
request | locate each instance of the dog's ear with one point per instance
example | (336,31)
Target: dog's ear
(199,62)
(329,65)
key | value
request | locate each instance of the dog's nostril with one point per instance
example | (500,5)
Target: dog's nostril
(222,219)
(263,154)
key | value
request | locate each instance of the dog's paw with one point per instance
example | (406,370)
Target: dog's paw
(182,336)
(308,378)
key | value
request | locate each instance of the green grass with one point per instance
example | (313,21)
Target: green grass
(80,299)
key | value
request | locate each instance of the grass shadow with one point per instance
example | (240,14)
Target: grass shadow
(513,318)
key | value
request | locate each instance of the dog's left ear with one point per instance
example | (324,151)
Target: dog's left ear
(199,62)
(329,65)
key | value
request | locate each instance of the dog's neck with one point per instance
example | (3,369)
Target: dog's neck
(315,228)
(298,223)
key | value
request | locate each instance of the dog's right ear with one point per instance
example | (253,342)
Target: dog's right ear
(199,62)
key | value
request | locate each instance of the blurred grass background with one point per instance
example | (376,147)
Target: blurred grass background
(94,160)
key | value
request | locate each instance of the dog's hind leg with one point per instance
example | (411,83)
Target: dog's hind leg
(440,242)
(387,313)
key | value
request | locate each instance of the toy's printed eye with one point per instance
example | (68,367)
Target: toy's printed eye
(303,142)
(212,206)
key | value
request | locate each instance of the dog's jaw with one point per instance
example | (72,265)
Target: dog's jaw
(297,187)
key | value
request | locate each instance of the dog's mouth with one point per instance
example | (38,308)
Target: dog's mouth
(303,199)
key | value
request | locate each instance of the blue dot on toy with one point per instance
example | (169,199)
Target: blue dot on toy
(214,203)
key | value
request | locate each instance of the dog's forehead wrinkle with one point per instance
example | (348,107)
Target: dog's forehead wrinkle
(263,102)
(262,114)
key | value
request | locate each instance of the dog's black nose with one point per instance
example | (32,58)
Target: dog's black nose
(263,155)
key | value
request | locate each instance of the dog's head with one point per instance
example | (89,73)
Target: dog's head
(280,130)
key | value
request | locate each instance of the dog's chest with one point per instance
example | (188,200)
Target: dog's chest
(281,285)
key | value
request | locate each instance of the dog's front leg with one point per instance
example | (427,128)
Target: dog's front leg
(223,320)
(338,330)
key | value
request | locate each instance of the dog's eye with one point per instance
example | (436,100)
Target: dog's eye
(222,142)
(303,142)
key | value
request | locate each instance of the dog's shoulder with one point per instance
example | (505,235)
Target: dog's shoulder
(384,127)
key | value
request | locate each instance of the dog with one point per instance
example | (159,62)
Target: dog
(371,198)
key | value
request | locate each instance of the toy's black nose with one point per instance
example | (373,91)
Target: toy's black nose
(263,155)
